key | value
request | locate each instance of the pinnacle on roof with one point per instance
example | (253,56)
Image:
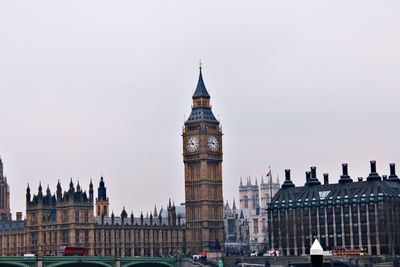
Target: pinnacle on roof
(155,210)
(123,213)
(234,205)
(71,184)
(201,90)
(227,205)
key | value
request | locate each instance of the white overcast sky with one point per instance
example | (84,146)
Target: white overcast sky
(91,88)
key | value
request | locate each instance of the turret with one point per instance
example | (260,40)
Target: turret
(71,187)
(102,199)
(155,214)
(91,191)
(40,193)
(28,195)
(1,169)
(59,191)
(124,215)
(102,191)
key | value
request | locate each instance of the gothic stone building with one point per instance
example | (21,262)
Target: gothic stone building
(66,217)
(202,156)
(254,199)
(361,214)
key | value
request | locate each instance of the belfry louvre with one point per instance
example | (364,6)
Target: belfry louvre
(362,214)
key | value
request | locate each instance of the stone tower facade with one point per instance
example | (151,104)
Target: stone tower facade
(202,156)
(4,196)
(254,200)
(102,203)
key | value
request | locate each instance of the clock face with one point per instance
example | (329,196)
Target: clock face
(192,143)
(213,143)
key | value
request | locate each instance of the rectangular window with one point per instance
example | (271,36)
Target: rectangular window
(255,225)
(86,216)
(65,237)
(86,236)
(77,237)
(77,216)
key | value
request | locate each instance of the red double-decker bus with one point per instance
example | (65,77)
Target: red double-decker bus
(73,251)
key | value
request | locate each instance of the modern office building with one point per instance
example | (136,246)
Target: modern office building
(356,215)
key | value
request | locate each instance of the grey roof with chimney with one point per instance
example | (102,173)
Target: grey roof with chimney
(345,191)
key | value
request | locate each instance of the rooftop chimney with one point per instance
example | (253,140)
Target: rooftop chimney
(360,179)
(373,176)
(288,183)
(345,178)
(384,177)
(19,216)
(393,177)
(313,180)
(308,177)
(326,178)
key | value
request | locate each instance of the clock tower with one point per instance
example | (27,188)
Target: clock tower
(202,156)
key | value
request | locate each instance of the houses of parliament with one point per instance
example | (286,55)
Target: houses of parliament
(74,216)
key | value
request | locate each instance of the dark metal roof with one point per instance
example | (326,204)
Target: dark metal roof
(202,114)
(201,90)
(341,193)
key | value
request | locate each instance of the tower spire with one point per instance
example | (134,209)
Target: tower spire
(201,90)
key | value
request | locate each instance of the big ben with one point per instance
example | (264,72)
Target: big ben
(202,157)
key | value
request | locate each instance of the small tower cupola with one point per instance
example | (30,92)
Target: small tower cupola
(102,203)
(102,191)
